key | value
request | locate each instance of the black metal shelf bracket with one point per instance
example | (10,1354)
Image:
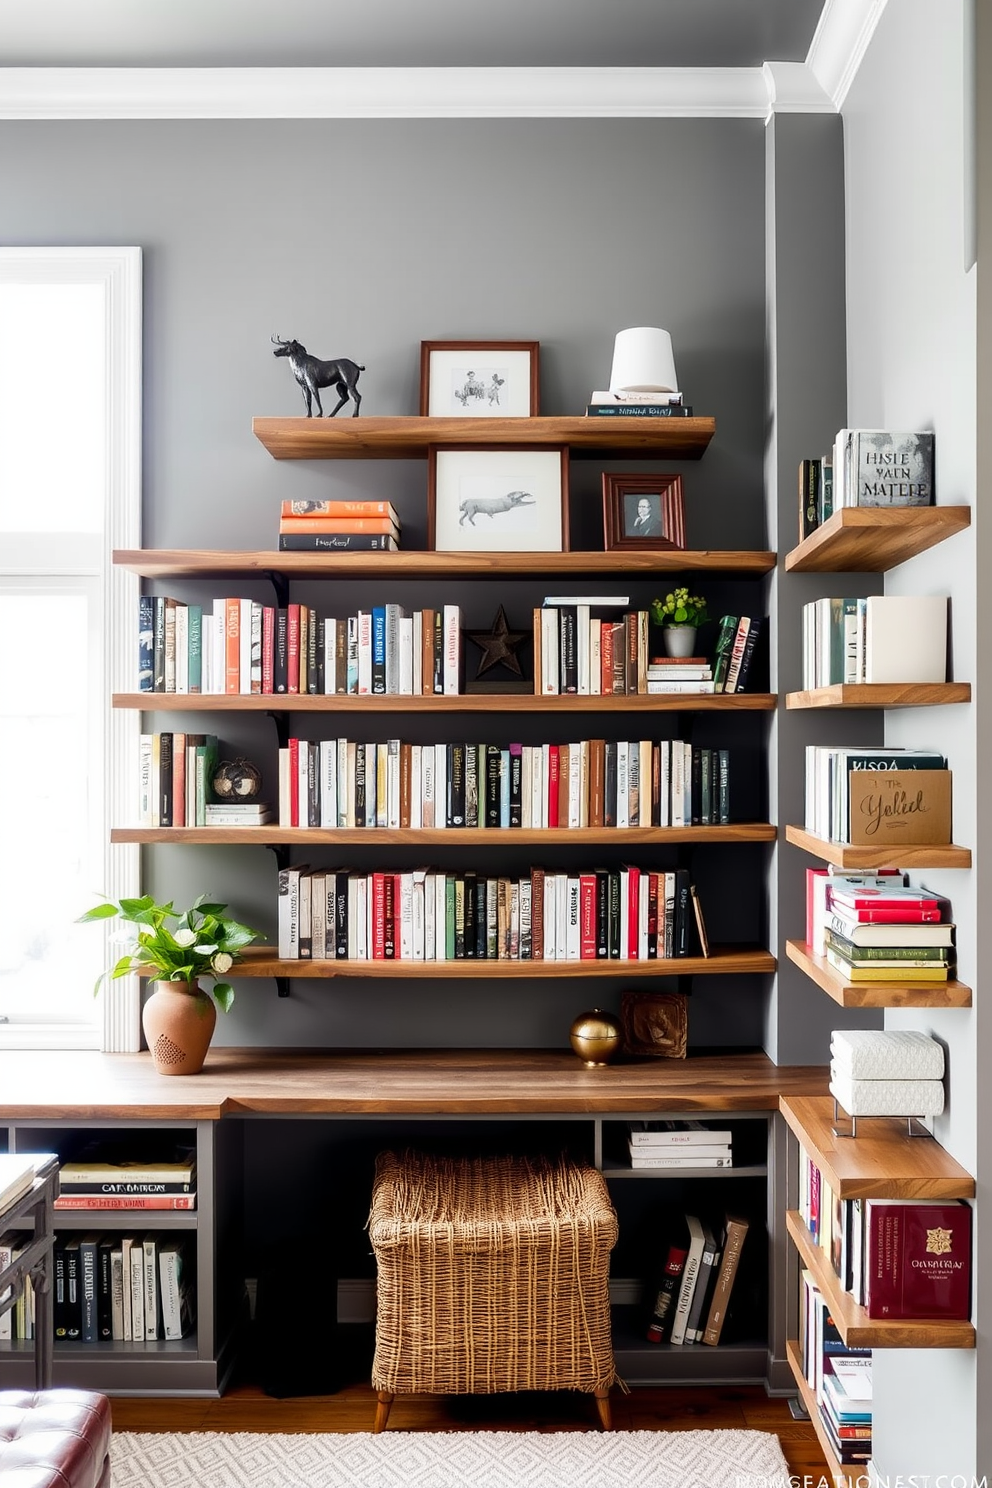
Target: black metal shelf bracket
(280,584)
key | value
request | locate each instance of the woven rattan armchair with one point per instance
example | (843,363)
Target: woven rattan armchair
(492,1275)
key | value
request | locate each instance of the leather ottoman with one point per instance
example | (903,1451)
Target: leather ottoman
(54,1439)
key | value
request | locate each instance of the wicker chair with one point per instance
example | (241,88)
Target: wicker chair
(492,1276)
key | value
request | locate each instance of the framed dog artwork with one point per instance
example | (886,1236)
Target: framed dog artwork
(497,499)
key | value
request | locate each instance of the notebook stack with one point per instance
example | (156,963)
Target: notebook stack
(883,933)
(338,526)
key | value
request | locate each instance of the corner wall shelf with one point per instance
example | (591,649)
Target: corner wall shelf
(408,438)
(876,994)
(873,539)
(908,855)
(881,695)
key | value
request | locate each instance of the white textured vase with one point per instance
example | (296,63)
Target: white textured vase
(679,640)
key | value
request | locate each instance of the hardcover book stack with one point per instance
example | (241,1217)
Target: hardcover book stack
(739,656)
(866,467)
(897,1258)
(668,674)
(887,932)
(338,527)
(625,914)
(590,783)
(697,1280)
(241,647)
(126,1184)
(679,1144)
(884,638)
(629,404)
(838,1375)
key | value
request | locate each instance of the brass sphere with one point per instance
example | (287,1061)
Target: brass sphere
(595,1037)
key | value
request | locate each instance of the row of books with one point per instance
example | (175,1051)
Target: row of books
(427,915)
(838,1374)
(697,1279)
(882,638)
(829,771)
(870,929)
(175,771)
(594,782)
(866,467)
(331,526)
(679,1144)
(897,1258)
(240,646)
(93,1183)
(739,648)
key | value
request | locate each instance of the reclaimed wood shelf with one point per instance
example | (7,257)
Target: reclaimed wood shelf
(949,994)
(158,563)
(908,855)
(466,702)
(838,1473)
(881,695)
(723,960)
(408,438)
(449,836)
(856,1328)
(882,1162)
(873,539)
(86,1085)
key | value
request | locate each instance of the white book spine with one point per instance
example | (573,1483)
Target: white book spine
(342,754)
(418,908)
(573,932)
(574,785)
(623,783)
(550,907)
(330,647)
(406,656)
(285,809)
(182,648)
(416,786)
(549,651)
(405,947)
(150,1268)
(440,785)
(417,663)
(117,1295)
(328,783)
(526,785)
(288,914)
(427,784)
(583,650)
(137,1282)
(393,783)
(561,917)
(364,652)
(127,1323)
(219,678)
(430,909)
(452,649)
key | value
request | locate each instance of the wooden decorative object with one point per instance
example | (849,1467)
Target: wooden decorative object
(643,512)
(654,1024)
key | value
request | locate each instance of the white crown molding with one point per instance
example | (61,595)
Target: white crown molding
(381,92)
(793,89)
(840,41)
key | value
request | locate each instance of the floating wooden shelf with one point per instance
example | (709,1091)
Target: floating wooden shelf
(876,994)
(881,695)
(838,1473)
(910,855)
(622,837)
(856,1328)
(468,702)
(873,539)
(409,438)
(723,961)
(881,1162)
(158,563)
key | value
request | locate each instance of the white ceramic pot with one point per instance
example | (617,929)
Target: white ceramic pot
(679,640)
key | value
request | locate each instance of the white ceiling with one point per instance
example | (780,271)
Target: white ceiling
(405,33)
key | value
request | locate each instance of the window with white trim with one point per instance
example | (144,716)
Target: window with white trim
(70,492)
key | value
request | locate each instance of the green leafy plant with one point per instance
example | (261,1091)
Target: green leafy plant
(679,608)
(178,945)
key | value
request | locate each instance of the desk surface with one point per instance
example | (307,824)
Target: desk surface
(74,1086)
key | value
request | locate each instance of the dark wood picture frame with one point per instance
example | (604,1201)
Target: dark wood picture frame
(621,496)
(486,538)
(525,390)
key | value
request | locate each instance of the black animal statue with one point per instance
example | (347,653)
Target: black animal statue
(312,374)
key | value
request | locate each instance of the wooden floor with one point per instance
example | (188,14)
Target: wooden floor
(246,1408)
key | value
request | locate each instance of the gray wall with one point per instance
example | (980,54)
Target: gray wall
(911,365)
(360,239)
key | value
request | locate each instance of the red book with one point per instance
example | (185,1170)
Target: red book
(814,1199)
(232,645)
(865,896)
(652,916)
(379,915)
(633,916)
(389,917)
(918,1259)
(553,785)
(268,648)
(670,1279)
(606,660)
(292,648)
(125,1201)
(882,914)
(587,916)
(294,782)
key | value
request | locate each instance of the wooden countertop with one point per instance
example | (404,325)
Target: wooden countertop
(77,1086)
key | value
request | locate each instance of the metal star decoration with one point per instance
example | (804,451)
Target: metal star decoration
(498,645)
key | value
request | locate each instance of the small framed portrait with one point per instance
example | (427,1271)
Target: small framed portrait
(497,499)
(479,379)
(643,511)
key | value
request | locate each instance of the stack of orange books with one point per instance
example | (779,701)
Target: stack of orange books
(338,526)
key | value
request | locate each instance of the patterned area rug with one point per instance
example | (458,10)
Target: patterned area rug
(479,1459)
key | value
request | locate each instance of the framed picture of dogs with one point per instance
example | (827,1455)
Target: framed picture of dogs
(479,379)
(497,499)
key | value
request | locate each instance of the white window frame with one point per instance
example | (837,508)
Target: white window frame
(118,270)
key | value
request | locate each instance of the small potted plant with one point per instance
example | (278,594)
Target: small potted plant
(679,614)
(180,948)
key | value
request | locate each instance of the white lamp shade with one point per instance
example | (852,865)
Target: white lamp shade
(643,362)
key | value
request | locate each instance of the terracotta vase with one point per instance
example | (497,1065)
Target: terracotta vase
(178,1025)
(679,640)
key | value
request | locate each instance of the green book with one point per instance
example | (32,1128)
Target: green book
(722,650)
(194,635)
(449,918)
(938,955)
